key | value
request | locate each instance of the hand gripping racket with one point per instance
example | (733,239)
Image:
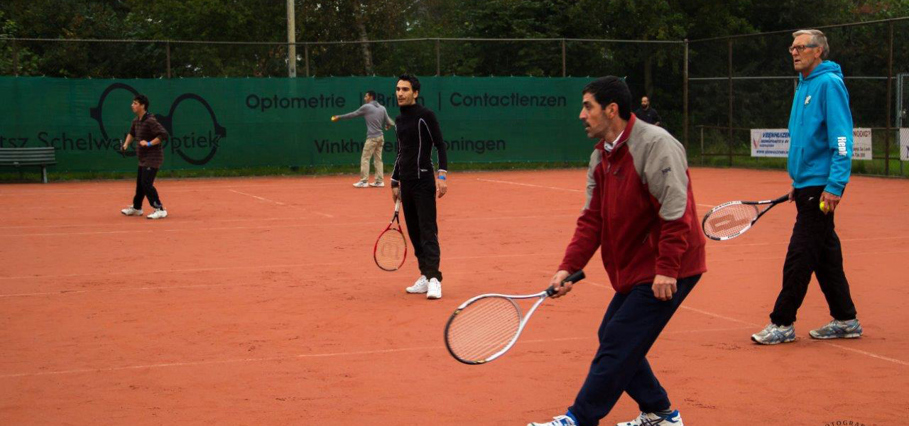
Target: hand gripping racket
(485,327)
(729,220)
(391,247)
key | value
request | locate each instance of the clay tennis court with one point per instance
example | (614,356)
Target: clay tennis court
(257,302)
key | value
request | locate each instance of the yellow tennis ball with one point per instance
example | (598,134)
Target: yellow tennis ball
(823,207)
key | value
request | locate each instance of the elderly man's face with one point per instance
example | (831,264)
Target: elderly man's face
(804,57)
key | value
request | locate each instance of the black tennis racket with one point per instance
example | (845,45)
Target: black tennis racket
(391,247)
(729,220)
(485,327)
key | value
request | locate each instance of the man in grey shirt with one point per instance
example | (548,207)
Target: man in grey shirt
(376,117)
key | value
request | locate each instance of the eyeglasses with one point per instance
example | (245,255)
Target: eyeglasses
(801,47)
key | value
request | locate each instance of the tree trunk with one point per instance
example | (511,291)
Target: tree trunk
(364,47)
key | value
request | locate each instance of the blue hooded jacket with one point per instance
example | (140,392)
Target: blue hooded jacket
(820,130)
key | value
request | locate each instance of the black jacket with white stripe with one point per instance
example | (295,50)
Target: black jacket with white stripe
(417,131)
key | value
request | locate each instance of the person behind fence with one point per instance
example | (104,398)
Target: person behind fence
(641,215)
(646,113)
(820,161)
(150,134)
(376,117)
(415,184)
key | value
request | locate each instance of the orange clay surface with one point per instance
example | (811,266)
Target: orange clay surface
(257,302)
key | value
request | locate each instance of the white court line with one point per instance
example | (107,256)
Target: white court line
(295,225)
(207,189)
(717,244)
(229,268)
(258,197)
(711,314)
(530,185)
(279,203)
(869,253)
(550,187)
(300,356)
(267,267)
(96,225)
(822,342)
(290,219)
(872,355)
(754,325)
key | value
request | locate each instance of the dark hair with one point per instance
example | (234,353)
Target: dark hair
(371,93)
(143,100)
(611,89)
(414,81)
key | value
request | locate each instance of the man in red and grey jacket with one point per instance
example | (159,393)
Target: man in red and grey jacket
(640,213)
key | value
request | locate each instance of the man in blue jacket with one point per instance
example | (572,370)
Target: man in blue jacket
(820,160)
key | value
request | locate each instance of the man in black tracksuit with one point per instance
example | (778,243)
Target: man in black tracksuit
(415,184)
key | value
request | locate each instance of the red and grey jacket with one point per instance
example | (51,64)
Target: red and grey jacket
(640,211)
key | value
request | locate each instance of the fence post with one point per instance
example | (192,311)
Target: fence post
(438,58)
(564,60)
(729,130)
(168,59)
(15,58)
(306,57)
(702,145)
(291,40)
(685,98)
(889,95)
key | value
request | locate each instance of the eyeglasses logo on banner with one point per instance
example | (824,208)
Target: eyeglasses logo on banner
(177,143)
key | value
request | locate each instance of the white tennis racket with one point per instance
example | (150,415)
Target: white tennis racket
(485,327)
(729,220)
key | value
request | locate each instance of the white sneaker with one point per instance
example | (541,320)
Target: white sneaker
(130,211)
(435,289)
(420,286)
(377,184)
(361,184)
(158,214)
(651,419)
(556,421)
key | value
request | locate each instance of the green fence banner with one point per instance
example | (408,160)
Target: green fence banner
(246,122)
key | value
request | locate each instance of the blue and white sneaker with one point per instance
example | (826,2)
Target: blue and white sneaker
(557,421)
(653,419)
(774,334)
(837,329)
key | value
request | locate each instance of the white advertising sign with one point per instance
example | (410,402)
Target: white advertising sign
(904,144)
(770,143)
(861,144)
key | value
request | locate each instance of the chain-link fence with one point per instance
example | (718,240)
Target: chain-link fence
(709,92)
(746,82)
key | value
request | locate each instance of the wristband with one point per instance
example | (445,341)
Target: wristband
(442,177)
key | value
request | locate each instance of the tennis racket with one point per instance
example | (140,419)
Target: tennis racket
(391,247)
(729,220)
(485,327)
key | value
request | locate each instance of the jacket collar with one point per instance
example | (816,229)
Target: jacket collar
(601,145)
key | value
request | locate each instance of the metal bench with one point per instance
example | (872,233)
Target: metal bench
(19,157)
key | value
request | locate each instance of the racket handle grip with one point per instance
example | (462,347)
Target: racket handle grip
(573,278)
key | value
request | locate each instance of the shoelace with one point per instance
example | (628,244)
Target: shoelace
(561,421)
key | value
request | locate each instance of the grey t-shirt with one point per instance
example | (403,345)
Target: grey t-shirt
(375,115)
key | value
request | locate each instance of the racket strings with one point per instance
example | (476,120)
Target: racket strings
(390,249)
(484,328)
(730,220)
